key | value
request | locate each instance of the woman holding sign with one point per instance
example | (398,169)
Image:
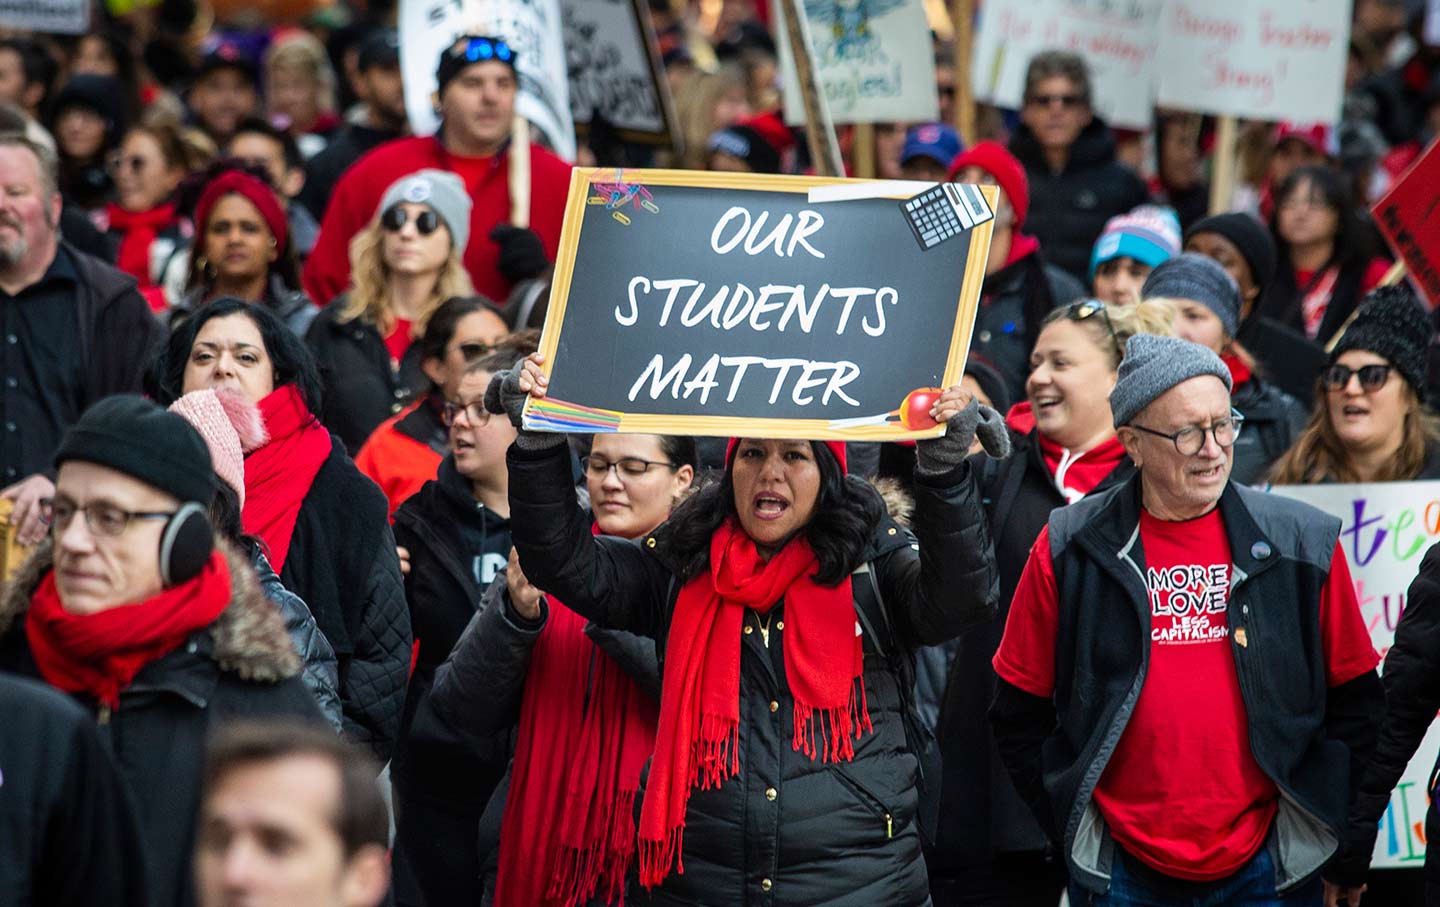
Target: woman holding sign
(786,605)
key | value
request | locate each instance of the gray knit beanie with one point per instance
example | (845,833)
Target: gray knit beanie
(1152,365)
(443,192)
(1196,277)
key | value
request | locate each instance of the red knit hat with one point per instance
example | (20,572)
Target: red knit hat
(836,447)
(238,182)
(994,159)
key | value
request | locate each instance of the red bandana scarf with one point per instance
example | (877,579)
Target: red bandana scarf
(278,476)
(698,739)
(100,654)
(139,229)
(568,834)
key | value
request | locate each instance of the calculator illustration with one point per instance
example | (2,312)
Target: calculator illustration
(944,211)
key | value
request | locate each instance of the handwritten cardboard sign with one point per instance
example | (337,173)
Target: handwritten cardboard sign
(1409,216)
(1262,59)
(1387,528)
(66,17)
(769,306)
(531,27)
(1117,41)
(874,60)
(614,66)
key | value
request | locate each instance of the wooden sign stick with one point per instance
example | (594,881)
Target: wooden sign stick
(520,172)
(863,150)
(962,14)
(819,131)
(1222,175)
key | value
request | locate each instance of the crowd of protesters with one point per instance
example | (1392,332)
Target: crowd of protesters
(264,354)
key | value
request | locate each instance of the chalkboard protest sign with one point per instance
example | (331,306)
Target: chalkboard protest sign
(769,306)
(614,67)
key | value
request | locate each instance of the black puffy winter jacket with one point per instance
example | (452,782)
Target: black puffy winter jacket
(785,830)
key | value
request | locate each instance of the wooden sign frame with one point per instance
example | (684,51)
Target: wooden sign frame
(558,415)
(671,137)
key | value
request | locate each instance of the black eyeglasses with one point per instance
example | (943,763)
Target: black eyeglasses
(1372,377)
(101,518)
(1191,439)
(478,50)
(395,218)
(475,412)
(119,163)
(1064,100)
(625,467)
(474,350)
(1083,309)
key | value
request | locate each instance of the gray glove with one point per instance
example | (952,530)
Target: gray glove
(504,397)
(937,456)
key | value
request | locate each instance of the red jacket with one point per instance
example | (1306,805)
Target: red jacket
(396,460)
(359,190)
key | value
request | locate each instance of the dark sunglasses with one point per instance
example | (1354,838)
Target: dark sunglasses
(1067,101)
(478,50)
(1372,377)
(472,351)
(394,218)
(120,163)
(1084,309)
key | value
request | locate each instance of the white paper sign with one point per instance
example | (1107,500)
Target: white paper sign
(1116,38)
(874,60)
(1260,59)
(62,17)
(608,56)
(531,27)
(1387,528)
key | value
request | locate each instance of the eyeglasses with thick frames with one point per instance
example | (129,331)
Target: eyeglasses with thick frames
(1190,440)
(473,350)
(1083,309)
(119,163)
(1068,101)
(1372,377)
(625,467)
(101,518)
(475,413)
(395,218)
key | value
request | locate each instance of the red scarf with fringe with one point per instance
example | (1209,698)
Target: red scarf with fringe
(698,740)
(100,654)
(278,475)
(568,833)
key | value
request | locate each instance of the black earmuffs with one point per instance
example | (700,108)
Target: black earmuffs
(185,545)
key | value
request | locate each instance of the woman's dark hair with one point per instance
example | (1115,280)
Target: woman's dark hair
(680,450)
(286,265)
(440,329)
(225,513)
(1352,240)
(293,364)
(847,510)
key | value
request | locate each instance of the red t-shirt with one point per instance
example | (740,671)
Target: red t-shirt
(1182,791)
(398,340)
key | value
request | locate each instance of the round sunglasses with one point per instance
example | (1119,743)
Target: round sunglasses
(395,218)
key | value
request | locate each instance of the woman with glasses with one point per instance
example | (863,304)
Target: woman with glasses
(404,452)
(322,523)
(1370,422)
(989,850)
(151,163)
(403,265)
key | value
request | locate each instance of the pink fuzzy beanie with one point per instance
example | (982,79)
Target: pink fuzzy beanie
(231,426)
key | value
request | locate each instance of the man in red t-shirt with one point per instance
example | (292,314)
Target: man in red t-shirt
(477,88)
(1194,652)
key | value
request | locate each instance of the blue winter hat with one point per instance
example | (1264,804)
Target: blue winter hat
(1149,234)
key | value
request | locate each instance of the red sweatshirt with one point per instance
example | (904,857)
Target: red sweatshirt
(358,193)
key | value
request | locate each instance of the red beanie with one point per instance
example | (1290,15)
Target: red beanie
(836,447)
(994,159)
(238,182)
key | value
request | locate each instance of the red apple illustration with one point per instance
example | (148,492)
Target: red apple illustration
(915,411)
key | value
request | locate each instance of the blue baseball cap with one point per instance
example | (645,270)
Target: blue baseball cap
(937,141)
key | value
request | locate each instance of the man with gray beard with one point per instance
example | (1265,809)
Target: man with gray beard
(72,330)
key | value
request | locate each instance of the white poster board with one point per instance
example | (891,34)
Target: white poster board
(613,65)
(1258,59)
(1117,40)
(1387,528)
(531,27)
(874,60)
(61,17)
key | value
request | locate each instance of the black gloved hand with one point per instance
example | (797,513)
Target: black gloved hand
(937,456)
(522,252)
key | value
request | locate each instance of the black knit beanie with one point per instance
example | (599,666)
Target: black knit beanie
(1248,235)
(132,435)
(1390,322)
(990,381)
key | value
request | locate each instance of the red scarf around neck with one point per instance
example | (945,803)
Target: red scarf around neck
(139,229)
(1239,371)
(100,654)
(697,742)
(568,833)
(278,475)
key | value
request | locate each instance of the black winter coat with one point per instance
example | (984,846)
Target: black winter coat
(786,830)
(1286,356)
(321,674)
(342,562)
(981,813)
(67,829)
(1068,209)
(361,386)
(1273,420)
(241,666)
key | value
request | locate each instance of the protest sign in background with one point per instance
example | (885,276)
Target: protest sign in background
(874,58)
(719,304)
(65,17)
(531,27)
(1116,39)
(1409,216)
(1387,528)
(613,66)
(1260,59)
